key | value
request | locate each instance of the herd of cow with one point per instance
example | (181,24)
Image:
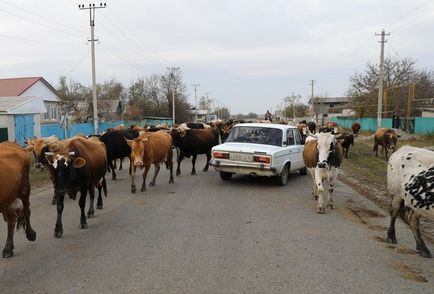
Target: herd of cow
(79,164)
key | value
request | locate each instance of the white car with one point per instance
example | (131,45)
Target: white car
(258,149)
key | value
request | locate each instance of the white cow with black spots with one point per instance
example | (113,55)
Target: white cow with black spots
(410,180)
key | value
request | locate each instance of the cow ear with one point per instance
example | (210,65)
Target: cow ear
(78,162)
(29,148)
(129,142)
(182,133)
(146,139)
(53,147)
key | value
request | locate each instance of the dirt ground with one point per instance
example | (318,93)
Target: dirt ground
(367,174)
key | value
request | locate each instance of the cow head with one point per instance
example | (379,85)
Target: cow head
(63,166)
(326,146)
(390,139)
(137,150)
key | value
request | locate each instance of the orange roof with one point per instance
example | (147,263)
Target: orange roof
(16,86)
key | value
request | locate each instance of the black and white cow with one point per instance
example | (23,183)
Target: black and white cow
(410,181)
(322,156)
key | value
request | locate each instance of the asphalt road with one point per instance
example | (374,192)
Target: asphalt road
(203,235)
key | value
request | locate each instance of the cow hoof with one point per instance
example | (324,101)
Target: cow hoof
(205,170)
(425,253)
(315,197)
(320,210)
(31,236)
(171,181)
(7,253)
(83,226)
(151,184)
(90,214)
(193,173)
(113,178)
(99,206)
(54,201)
(133,190)
(58,234)
(331,206)
(391,240)
(178,173)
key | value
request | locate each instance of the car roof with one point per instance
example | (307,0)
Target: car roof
(266,125)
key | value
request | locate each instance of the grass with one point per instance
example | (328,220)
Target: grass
(367,173)
(38,177)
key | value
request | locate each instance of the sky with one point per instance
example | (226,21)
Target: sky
(247,55)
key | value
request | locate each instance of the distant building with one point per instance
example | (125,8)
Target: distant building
(322,108)
(36,87)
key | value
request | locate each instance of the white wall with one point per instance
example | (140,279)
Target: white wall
(39,89)
(11,127)
(3,120)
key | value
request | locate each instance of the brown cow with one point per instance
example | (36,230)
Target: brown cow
(14,194)
(147,149)
(387,138)
(356,128)
(80,167)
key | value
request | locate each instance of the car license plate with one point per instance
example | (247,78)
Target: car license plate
(241,156)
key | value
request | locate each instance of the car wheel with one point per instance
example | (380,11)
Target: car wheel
(226,176)
(303,171)
(283,177)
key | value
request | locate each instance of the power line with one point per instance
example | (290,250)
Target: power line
(40,41)
(407,14)
(40,16)
(39,23)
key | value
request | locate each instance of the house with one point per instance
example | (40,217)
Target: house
(36,87)
(322,108)
(20,117)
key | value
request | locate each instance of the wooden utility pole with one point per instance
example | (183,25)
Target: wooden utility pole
(195,101)
(91,9)
(409,106)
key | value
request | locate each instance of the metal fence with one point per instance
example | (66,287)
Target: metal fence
(419,125)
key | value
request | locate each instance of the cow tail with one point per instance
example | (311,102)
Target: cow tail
(21,222)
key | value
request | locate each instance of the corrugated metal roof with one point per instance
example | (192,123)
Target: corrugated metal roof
(16,86)
(9,103)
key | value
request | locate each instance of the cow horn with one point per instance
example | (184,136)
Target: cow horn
(72,153)
(310,134)
(49,153)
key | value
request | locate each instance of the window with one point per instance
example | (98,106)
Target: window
(298,138)
(256,135)
(290,137)
(52,111)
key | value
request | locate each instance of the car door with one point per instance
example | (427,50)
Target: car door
(300,147)
(295,149)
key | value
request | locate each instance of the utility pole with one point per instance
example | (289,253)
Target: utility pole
(195,101)
(91,9)
(172,77)
(380,81)
(314,108)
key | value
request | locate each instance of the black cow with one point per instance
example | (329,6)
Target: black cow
(312,127)
(80,167)
(348,140)
(193,125)
(192,142)
(117,147)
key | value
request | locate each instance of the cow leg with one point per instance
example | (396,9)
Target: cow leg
(30,233)
(169,164)
(156,170)
(8,250)
(133,178)
(420,244)
(58,230)
(314,186)
(375,149)
(82,204)
(320,189)
(332,176)
(120,163)
(91,210)
(193,162)
(395,209)
(145,174)
(101,186)
(179,158)
(208,158)
(114,164)
(54,200)
(110,163)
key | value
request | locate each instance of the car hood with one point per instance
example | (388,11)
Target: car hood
(246,147)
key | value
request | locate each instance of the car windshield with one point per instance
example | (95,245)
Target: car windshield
(256,135)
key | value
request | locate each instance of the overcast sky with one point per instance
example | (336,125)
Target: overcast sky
(246,54)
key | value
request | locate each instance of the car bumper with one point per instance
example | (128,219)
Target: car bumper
(244,168)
